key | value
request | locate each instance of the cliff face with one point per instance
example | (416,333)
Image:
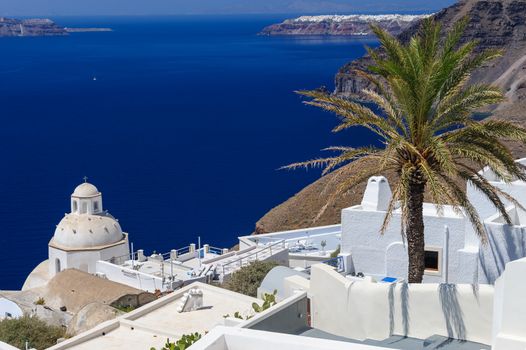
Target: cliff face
(496,24)
(29,27)
(357,25)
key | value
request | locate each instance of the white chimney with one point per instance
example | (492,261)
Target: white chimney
(377,194)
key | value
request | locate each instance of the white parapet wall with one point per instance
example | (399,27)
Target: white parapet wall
(5,346)
(232,338)
(366,310)
(9,309)
(509,323)
(130,277)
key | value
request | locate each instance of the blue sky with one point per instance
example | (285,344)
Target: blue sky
(159,7)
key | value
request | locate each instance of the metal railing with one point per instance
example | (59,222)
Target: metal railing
(337,263)
(119,260)
(248,257)
(215,250)
(183,250)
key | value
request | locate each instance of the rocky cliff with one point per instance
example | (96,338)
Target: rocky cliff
(495,24)
(357,25)
(29,27)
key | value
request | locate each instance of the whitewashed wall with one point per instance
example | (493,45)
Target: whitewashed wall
(506,243)
(363,310)
(8,307)
(85,260)
(386,255)
(509,324)
(130,277)
(5,346)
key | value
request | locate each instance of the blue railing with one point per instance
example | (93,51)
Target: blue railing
(215,250)
(183,250)
(337,263)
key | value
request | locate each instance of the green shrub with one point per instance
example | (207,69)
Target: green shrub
(32,329)
(124,308)
(40,301)
(185,342)
(268,301)
(335,253)
(247,279)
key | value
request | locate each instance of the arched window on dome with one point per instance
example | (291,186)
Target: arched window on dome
(74,206)
(95,206)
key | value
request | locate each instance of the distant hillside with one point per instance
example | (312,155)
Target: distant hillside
(495,24)
(29,27)
(209,7)
(357,25)
(39,27)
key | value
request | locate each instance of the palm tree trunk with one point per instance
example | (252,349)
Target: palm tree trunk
(415,228)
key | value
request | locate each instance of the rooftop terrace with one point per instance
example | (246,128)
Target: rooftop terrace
(152,324)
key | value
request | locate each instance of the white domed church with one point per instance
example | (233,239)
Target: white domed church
(87,234)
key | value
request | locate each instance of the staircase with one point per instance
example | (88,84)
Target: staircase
(229,265)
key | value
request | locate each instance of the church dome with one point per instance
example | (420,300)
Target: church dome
(87,231)
(86,190)
(88,226)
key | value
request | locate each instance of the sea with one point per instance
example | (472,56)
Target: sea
(181,123)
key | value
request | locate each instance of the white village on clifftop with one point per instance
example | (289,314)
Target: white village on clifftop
(472,296)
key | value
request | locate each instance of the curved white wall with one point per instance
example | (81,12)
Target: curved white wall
(9,309)
(363,310)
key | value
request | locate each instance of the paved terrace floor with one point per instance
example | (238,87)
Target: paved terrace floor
(153,323)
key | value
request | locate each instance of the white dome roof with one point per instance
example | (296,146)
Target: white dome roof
(86,190)
(87,231)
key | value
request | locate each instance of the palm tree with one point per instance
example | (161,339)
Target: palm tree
(429,134)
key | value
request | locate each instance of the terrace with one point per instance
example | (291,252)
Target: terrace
(153,323)
(305,246)
(166,271)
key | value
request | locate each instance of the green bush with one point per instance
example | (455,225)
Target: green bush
(247,279)
(124,308)
(268,301)
(32,329)
(185,342)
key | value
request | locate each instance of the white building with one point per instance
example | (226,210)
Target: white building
(454,254)
(91,240)
(86,235)
(330,312)
(385,255)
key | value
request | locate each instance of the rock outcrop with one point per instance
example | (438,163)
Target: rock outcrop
(497,24)
(90,316)
(352,25)
(30,27)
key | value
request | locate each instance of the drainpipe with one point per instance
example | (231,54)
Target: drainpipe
(445,255)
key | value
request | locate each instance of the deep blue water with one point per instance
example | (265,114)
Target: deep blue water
(182,131)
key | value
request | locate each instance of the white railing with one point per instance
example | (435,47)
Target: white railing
(260,253)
